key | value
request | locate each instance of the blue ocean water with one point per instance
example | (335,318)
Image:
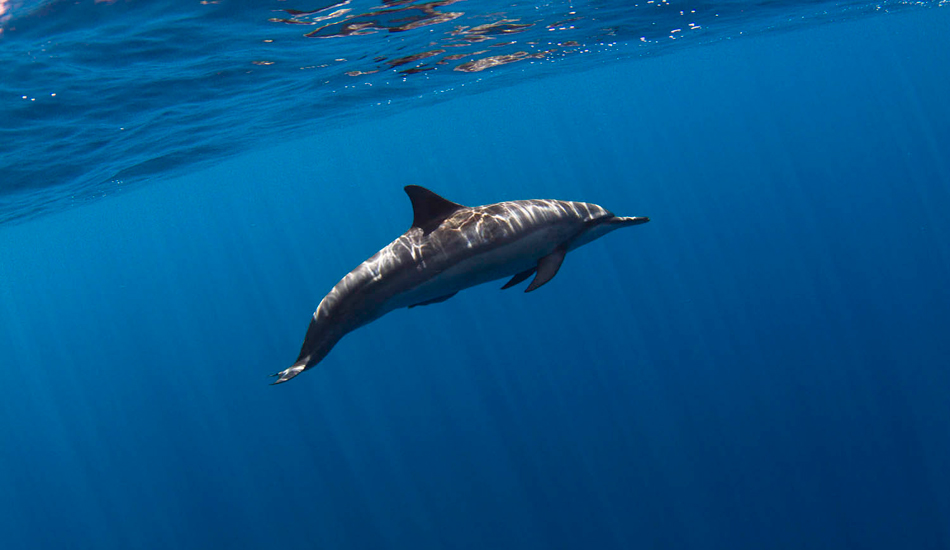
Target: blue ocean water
(763,365)
(100,95)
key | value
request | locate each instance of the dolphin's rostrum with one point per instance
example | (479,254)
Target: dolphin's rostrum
(451,247)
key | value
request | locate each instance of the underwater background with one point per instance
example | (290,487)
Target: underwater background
(766,364)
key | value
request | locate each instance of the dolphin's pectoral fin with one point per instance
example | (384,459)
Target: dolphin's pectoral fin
(519,277)
(547,267)
(434,300)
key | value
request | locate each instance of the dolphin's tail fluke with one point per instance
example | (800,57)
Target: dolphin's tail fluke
(287,374)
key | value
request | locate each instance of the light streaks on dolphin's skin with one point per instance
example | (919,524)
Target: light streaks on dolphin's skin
(474,229)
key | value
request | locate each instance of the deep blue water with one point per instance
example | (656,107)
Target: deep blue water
(763,365)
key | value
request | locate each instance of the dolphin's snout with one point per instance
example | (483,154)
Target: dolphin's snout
(633,220)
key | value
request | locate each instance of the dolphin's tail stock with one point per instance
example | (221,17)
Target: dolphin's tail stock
(322,335)
(289,373)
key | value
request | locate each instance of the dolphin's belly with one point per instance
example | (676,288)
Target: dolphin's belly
(491,263)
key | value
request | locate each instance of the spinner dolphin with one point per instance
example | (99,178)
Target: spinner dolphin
(449,248)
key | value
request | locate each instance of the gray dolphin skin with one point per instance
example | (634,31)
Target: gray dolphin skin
(449,248)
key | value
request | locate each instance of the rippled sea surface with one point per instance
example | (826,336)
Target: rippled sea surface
(100,95)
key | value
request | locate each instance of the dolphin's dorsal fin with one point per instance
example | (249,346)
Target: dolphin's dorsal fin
(429,209)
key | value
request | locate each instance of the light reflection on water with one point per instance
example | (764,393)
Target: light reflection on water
(93,93)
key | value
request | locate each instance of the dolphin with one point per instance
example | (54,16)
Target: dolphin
(449,248)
